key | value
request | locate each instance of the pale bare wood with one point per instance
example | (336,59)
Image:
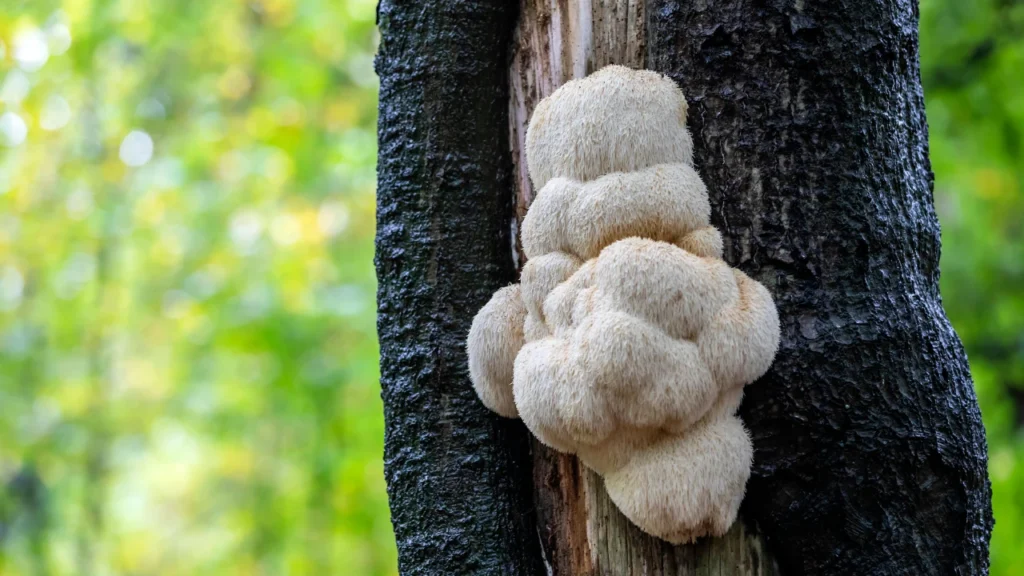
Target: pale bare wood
(581,530)
(557,41)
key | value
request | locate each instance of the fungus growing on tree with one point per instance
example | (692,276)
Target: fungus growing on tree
(629,340)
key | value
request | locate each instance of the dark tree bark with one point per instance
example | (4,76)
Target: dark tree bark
(810,131)
(458,476)
(809,128)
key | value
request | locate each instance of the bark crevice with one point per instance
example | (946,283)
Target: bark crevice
(582,531)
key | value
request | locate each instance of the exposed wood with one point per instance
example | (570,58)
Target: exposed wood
(556,41)
(581,530)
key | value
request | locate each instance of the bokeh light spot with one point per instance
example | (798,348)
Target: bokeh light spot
(13,129)
(136,149)
(30,49)
(55,114)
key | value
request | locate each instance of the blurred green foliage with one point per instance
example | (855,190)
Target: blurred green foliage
(188,362)
(972,58)
(188,366)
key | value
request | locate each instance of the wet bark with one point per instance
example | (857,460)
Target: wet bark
(810,132)
(458,476)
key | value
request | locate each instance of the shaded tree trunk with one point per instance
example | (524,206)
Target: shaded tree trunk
(456,474)
(809,131)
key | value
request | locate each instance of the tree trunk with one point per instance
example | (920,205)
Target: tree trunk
(810,134)
(457,475)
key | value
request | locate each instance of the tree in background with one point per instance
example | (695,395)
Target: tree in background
(970,56)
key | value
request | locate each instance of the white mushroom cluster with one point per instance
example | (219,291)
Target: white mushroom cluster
(629,340)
